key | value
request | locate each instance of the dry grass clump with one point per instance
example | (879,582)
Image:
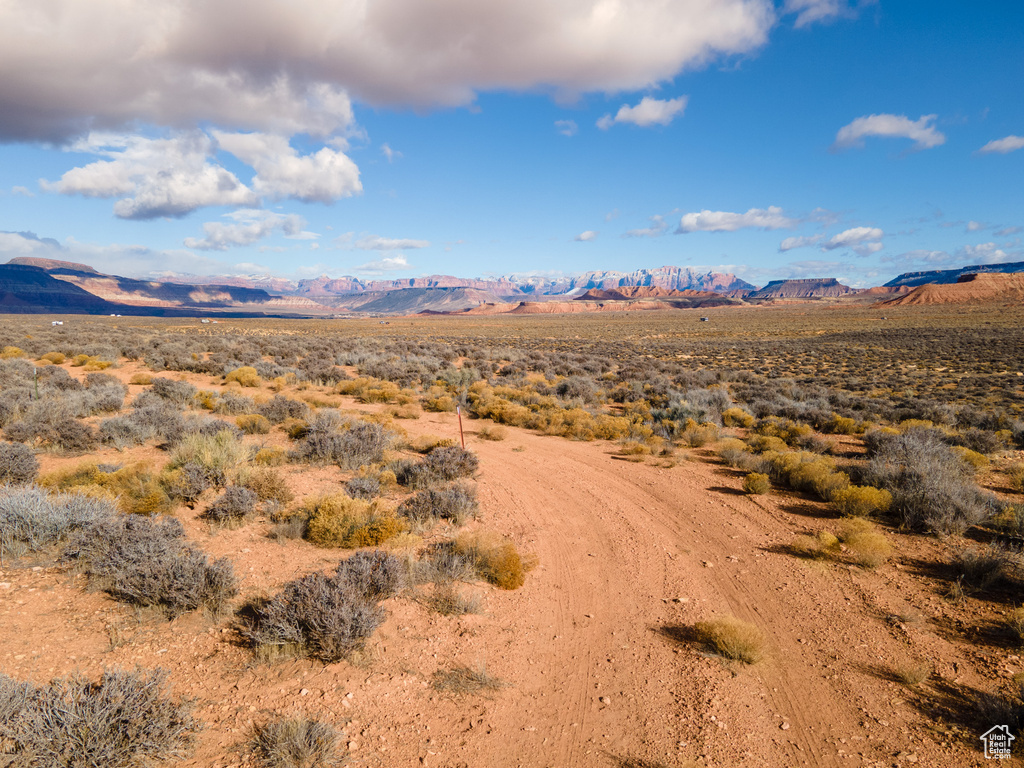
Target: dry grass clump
(1015,474)
(448,600)
(737,417)
(861,501)
(427,443)
(494,432)
(912,675)
(267,483)
(1015,623)
(148,562)
(270,456)
(864,543)
(821,547)
(324,617)
(220,454)
(494,557)
(697,435)
(123,720)
(141,378)
(295,743)
(756,483)
(338,520)
(461,681)
(732,638)
(253,424)
(56,358)
(982,567)
(135,489)
(246,376)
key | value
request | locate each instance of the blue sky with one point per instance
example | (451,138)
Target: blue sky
(396,138)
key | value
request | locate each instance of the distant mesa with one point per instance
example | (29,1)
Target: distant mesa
(969,289)
(949,276)
(810,288)
(49,264)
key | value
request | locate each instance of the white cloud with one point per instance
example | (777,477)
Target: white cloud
(387,264)
(657,227)
(725,221)
(1004,145)
(567,127)
(647,113)
(377,243)
(248,226)
(287,68)
(813,11)
(22,192)
(974,226)
(389,153)
(799,242)
(323,176)
(587,236)
(921,131)
(852,237)
(153,177)
(987,253)
(1007,231)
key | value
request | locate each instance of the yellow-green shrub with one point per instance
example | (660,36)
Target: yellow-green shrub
(220,454)
(977,461)
(841,425)
(438,400)
(732,638)
(11,352)
(54,357)
(765,443)
(861,501)
(736,417)
(1015,474)
(819,547)
(866,545)
(427,443)
(268,484)
(495,558)
(756,483)
(696,435)
(245,376)
(270,456)
(337,520)
(141,378)
(135,489)
(253,424)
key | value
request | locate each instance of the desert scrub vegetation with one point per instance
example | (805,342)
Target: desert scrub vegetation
(455,502)
(134,488)
(123,720)
(463,681)
(732,638)
(233,506)
(245,376)
(756,483)
(494,557)
(148,562)
(31,519)
(350,443)
(324,617)
(338,520)
(861,501)
(219,454)
(296,743)
(442,465)
(865,544)
(18,464)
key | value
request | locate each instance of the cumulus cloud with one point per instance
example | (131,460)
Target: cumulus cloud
(987,253)
(921,131)
(587,236)
(657,227)
(389,153)
(648,112)
(725,221)
(387,264)
(799,242)
(853,237)
(1004,145)
(153,177)
(377,243)
(324,176)
(246,227)
(287,68)
(567,127)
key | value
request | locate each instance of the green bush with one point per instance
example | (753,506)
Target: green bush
(756,483)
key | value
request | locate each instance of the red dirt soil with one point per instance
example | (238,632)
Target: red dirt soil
(593,648)
(968,290)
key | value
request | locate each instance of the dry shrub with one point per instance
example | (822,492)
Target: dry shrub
(766,444)
(495,558)
(861,501)
(324,617)
(267,483)
(57,358)
(7,353)
(732,638)
(246,376)
(427,443)
(697,435)
(820,547)
(148,562)
(448,600)
(18,465)
(338,520)
(912,675)
(732,451)
(494,432)
(232,506)
(135,489)
(32,519)
(270,456)
(982,567)
(977,461)
(141,378)
(1015,474)
(368,390)
(865,544)
(438,400)
(220,454)
(841,425)
(756,483)
(1015,623)
(460,681)
(295,743)
(736,417)
(253,424)
(123,720)
(456,503)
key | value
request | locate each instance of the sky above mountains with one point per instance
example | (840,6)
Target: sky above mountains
(395,138)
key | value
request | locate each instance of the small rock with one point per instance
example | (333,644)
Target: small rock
(708,564)
(784,726)
(682,600)
(352,746)
(304,692)
(605,700)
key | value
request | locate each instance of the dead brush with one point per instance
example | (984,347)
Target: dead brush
(866,545)
(495,558)
(462,681)
(295,743)
(732,638)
